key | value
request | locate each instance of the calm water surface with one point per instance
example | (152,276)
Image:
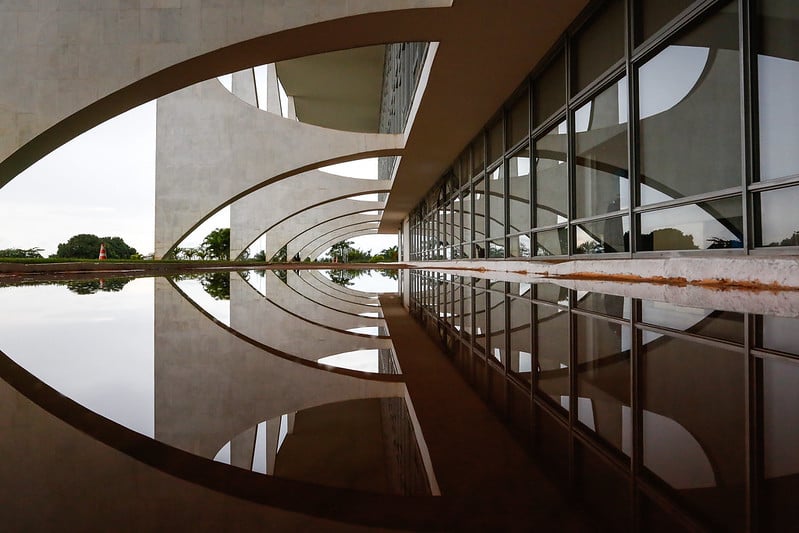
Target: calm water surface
(653,412)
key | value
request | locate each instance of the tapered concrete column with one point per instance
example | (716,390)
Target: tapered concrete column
(280,234)
(202,370)
(273,104)
(213,149)
(279,202)
(324,228)
(243,85)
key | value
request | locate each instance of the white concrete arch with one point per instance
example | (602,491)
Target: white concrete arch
(213,149)
(320,245)
(277,204)
(68,66)
(316,247)
(297,244)
(280,235)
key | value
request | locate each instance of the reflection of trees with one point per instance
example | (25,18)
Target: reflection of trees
(718,243)
(345,277)
(391,274)
(217,285)
(667,239)
(792,240)
(91,286)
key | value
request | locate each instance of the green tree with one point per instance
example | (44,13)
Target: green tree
(217,244)
(87,246)
(281,255)
(341,251)
(260,256)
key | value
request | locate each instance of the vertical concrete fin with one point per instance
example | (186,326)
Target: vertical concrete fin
(243,86)
(272,91)
(272,438)
(242,447)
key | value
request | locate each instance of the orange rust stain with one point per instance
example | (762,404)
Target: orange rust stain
(710,283)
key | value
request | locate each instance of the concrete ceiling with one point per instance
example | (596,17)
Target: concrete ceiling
(340,90)
(486,49)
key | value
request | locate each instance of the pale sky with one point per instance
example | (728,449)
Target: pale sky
(103,182)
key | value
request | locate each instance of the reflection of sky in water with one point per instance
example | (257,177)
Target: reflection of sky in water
(363,360)
(95,349)
(370,281)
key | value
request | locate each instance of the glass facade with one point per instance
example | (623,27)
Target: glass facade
(681,139)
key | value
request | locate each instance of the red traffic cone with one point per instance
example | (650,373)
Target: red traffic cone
(102,252)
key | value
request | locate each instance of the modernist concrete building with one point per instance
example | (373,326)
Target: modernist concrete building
(506,130)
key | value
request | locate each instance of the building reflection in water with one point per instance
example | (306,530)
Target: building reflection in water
(656,415)
(649,413)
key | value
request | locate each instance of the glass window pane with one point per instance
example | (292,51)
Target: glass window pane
(601,178)
(599,45)
(552,347)
(603,378)
(496,202)
(550,292)
(552,242)
(780,442)
(779,333)
(608,304)
(478,155)
(479,211)
(703,226)
(694,424)
(480,322)
(549,90)
(689,100)
(518,246)
(654,14)
(497,340)
(607,236)
(778,78)
(517,121)
(520,352)
(495,141)
(496,249)
(551,177)
(779,218)
(519,191)
(724,325)
(465,165)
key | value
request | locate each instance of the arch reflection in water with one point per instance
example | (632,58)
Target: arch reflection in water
(177,372)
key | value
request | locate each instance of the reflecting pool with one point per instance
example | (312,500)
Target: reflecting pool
(670,411)
(621,406)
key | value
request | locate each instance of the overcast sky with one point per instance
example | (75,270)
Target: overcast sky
(103,182)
